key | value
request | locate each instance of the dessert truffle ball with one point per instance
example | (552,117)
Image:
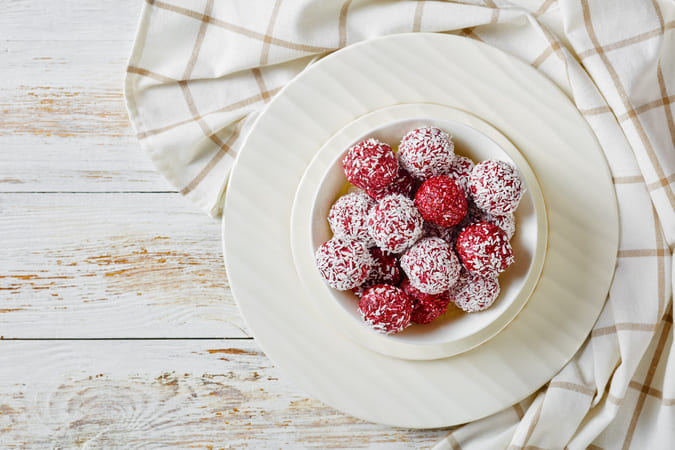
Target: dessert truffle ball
(442,201)
(426,312)
(385,271)
(460,170)
(348,217)
(431,266)
(416,294)
(506,222)
(387,309)
(427,307)
(403,184)
(484,249)
(370,165)
(496,187)
(474,293)
(394,223)
(343,263)
(426,152)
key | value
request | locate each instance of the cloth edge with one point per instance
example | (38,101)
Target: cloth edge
(213,209)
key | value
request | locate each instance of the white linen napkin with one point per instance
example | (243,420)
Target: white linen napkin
(200,72)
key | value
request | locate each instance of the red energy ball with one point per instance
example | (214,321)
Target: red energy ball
(474,293)
(395,224)
(348,217)
(343,263)
(426,152)
(460,170)
(426,312)
(442,201)
(440,299)
(386,270)
(484,249)
(431,266)
(496,187)
(370,165)
(403,184)
(507,223)
(387,309)
(427,307)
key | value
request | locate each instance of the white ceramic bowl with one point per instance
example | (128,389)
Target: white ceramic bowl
(455,331)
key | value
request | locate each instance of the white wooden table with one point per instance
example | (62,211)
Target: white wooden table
(117,324)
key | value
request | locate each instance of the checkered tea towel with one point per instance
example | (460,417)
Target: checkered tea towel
(201,71)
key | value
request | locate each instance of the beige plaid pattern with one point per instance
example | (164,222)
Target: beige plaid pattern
(201,70)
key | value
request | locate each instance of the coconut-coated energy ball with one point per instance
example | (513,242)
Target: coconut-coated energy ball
(484,249)
(386,270)
(386,308)
(442,201)
(496,187)
(507,223)
(348,217)
(370,165)
(426,312)
(343,263)
(427,307)
(473,293)
(416,294)
(426,152)
(460,170)
(403,184)
(395,223)
(431,266)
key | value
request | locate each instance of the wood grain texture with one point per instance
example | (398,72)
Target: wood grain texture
(157,394)
(79,20)
(63,124)
(112,265)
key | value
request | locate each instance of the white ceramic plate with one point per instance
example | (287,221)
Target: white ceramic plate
(512,97)
(455,332)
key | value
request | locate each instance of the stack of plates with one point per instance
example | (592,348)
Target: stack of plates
(466,366)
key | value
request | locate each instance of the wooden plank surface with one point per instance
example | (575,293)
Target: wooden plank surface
(158,394)
(63,124)
(112,265)
(111,284)
(79,20)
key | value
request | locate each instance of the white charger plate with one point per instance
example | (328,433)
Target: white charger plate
(454,332)
(524,106)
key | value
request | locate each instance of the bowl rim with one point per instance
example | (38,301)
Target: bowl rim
(302,233)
